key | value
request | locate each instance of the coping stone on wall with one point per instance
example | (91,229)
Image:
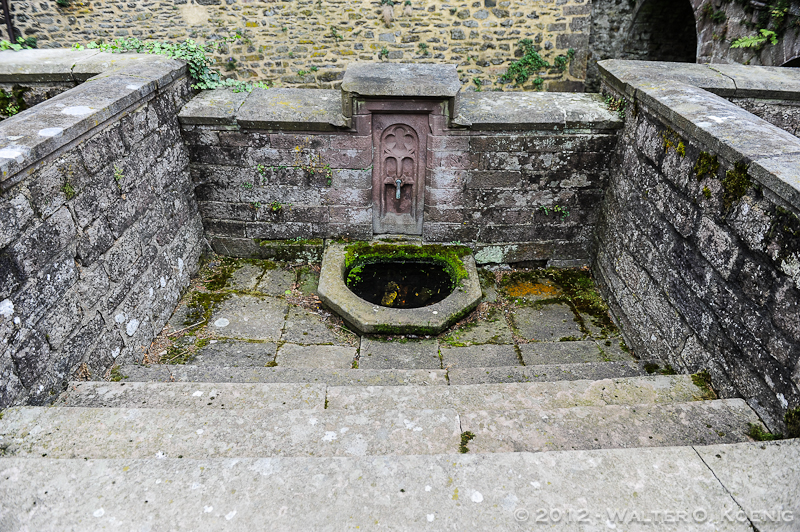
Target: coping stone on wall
(159,68)
(292,109)
(32,66)
(721,126)
(553,111)
(630,74)
(762,82)
(726,80)
(401,80)
(31,135)
(216,107)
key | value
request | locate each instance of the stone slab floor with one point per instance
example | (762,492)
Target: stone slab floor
(255,405)
(263,314)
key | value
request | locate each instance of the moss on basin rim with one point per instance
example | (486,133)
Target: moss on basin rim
(369,318)
(451,257)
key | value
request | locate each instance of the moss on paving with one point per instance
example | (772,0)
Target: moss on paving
(578,291)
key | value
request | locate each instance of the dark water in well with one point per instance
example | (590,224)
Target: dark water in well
(401,284)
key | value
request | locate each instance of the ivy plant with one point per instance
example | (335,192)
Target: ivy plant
(531,63)
(195,55)
(21,44)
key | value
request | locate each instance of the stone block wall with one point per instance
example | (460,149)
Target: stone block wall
(523,182)
(784,114)
(260,185)
(307,43)
(698,240)
(518,196)
(99,229)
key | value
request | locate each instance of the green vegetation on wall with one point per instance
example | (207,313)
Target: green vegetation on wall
(196,56)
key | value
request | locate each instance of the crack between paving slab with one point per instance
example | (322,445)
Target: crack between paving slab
(744,512)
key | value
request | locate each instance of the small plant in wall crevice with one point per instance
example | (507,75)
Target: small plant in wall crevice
(387,11)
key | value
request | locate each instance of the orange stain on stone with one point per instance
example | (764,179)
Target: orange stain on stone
(540,290)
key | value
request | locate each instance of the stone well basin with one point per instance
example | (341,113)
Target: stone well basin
(370,318)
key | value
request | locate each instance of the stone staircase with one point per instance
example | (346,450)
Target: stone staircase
(402,434)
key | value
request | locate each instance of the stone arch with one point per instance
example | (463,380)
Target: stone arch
(795,62)
(662,30)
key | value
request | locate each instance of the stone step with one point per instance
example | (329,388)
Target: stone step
(505,491)
(514,396)
(331,377)
(280,396)
(546,372)
(192,433)
(610,426)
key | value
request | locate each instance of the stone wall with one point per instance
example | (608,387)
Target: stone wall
(784,114)
(628,29)
(698,242)
(306,43)
(523,181)
(15,97)
(99,230)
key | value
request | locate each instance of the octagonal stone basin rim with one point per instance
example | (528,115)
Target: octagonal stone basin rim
(369,318)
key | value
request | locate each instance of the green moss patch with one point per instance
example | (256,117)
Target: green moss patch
(449,257)
(707,165)
(757,433)
(671,139)
(735,185)
(116,375)
(202,305)
(219,277)
(652,367)
(792,419)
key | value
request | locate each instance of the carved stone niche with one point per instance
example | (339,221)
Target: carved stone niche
(398,173)
(399,104)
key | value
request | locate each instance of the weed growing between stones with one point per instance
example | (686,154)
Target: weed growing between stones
(757,433)
(714,15)
(702,380)
(652,367)
(11,104)
(529,65)
(21,44)
(69,192)
(616,105)
(466,437)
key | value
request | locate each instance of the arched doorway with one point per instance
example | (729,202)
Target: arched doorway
(795,63)
(662,30)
